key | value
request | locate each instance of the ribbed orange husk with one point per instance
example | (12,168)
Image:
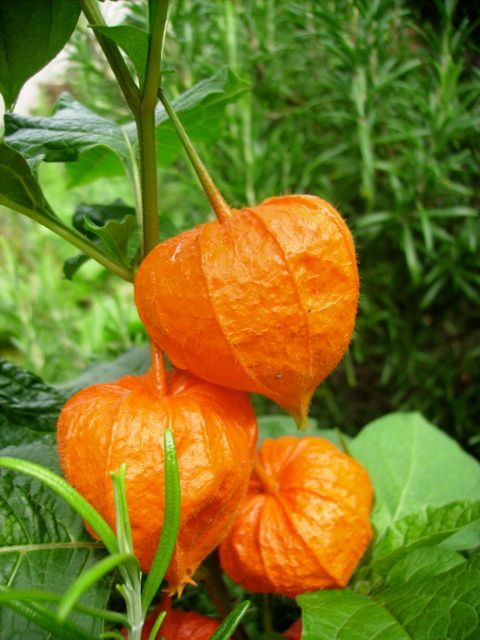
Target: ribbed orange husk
(179,625)
(124,421)
(305,522)
(264,302)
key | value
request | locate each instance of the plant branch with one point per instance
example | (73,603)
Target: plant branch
(221,208)
(113,55)
(145,121)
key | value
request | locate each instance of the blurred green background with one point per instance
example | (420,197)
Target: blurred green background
(373,106)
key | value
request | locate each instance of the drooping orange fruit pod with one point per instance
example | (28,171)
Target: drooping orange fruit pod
(179,625)
(215,433)
(263,302)
(305,522)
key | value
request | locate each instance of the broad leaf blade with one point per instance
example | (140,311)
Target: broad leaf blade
(26,402)
(31,34)
(440,606)
(72,130)
(19,189)
(133,41)
(412,463)
(43,544)
(428,527)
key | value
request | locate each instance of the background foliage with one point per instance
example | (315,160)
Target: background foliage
(371,105)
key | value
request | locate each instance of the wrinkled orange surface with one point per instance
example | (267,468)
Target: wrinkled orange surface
(305,522)
(264,302)
(123,421)
(179,625)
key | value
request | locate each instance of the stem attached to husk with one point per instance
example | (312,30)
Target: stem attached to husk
(159,370)
(220,207)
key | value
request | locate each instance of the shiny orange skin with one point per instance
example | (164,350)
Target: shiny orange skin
(215,433)
(305,522)
(264,302)
(179,625)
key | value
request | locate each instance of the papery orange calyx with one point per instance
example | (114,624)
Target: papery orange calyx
(264,302)
(123,421)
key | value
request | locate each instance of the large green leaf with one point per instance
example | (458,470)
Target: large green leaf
(438,607)
(134,362)
(31,34)
(43,545)
(26,403)
(72,130)
(98,145)
(133,41)
(19,188)
(456,524)
(412,464)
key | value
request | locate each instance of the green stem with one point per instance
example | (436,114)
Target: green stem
(221,208)
(76,239)
(145,121)
(113,55)
(211,574)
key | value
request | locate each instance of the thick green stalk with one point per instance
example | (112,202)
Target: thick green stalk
(221,208)
(113,55)
(145,120)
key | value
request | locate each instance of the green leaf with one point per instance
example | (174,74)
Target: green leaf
(439,607)
(278,425)
(422,563)
(429,526)
(43,545)
(344,615)
(114,236)
(72,130)
(92,164)
(31,34)
(73,264)
(26,402)
(19,189)
(134,362)
(133,41)
(100,214)
(411,464)
(231,622)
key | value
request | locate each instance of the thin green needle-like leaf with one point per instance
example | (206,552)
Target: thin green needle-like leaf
(111,634)
(29,595)
(124,530)
(171,523)
(88,579)
(44,618)
(157,625)
(231,622)
(69,494)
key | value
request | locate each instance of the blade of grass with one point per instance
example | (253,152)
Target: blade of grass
(157,625)
(69,494)
(171,523)
(231,622)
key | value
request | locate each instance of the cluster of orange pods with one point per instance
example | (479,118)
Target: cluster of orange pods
(263,302)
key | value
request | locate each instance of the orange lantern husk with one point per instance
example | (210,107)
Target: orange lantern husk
(263,302)
(215,432)
(179,625)
(304,524)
